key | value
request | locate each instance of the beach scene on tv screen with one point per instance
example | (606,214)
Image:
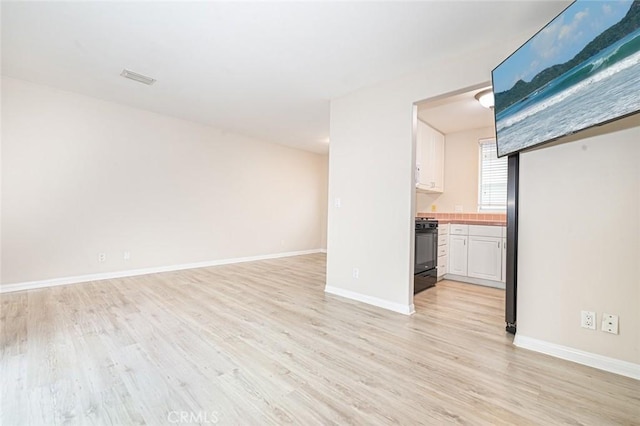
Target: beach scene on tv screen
(581,70)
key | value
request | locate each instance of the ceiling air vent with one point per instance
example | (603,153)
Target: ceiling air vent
(137,77)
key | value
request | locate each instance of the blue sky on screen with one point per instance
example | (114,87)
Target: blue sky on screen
(560,41)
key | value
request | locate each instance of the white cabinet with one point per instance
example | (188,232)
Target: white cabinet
(434,161)
(484,258)
(476,254)
(486,231)
(443,250)
(429,159)
(458,254)
(456,229)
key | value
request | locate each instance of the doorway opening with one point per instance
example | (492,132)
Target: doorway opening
(460,184)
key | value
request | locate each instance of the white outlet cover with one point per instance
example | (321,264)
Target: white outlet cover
(588,320)
(610,323)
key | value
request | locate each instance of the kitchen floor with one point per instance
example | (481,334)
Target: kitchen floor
(261,343)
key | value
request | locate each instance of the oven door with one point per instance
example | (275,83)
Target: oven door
(426,253)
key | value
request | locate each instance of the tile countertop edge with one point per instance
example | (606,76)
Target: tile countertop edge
(473,222)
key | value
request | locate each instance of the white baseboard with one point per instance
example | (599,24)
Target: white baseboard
(30,285)
(381,303)
(612,365)
(323,250)
(477,281)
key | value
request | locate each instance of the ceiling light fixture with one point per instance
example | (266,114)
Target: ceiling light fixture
(137,77)
(485,98)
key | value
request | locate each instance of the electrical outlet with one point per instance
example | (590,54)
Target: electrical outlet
(458,209)
(588,320)
(102,257)
(337,202)
(434,208)
(356,273)
(610,323)
(126,255)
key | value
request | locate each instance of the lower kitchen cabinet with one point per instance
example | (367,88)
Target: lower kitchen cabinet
(458,254)
(484,258)
(477,254)
(443,250)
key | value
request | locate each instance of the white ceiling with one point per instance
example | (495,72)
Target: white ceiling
(456,113)
(262,69)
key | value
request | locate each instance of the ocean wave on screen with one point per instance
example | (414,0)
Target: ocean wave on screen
(507,122)
(576,113)
(629,42)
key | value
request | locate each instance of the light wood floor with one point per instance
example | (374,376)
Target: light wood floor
(260,343)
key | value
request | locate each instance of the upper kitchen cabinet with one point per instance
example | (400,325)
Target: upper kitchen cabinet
(429,159)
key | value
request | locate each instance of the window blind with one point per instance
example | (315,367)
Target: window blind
(492,193)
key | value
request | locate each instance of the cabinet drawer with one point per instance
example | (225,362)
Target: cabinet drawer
(485,231)
(443,229)
(455,229)
(442,239)
(442,251)
(442,265)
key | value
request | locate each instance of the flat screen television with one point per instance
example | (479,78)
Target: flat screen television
(580,70)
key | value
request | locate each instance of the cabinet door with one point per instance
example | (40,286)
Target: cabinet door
(429,158)
(428,154)
(458,255)
(419,147)
(437,161)
(485,258)
(503,278)
(422,147)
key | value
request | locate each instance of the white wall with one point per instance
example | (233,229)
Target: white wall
(323,200)
(461,161)
(82,176)
(371,171)
(579,241)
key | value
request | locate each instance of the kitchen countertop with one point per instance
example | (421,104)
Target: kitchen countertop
(489,219)
(473,222)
